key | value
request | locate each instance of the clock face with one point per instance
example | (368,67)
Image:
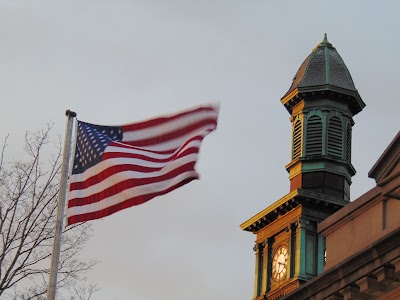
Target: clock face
(279,263)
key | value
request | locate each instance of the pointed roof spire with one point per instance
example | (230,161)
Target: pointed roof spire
(324,43)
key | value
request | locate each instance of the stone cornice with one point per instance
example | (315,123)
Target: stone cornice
(289,202)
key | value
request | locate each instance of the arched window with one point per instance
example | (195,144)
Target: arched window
(296,140)
(348,143)
(314,136)
(335,137)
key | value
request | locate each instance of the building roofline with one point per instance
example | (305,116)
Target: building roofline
(380,167)
(349,211)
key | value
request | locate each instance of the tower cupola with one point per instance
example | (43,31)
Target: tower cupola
(322,101)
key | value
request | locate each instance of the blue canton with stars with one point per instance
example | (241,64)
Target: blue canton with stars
(90,144)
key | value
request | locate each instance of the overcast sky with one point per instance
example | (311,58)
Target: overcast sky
(121,61)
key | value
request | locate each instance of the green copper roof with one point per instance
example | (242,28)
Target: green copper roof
(324,69)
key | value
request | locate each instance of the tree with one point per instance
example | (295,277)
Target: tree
(28,207)
(83,291)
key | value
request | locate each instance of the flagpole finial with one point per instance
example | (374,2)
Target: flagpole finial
(70,113)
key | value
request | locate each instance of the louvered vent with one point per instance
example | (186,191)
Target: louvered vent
(348,143)
(335,137)
(314,136)
(297,139)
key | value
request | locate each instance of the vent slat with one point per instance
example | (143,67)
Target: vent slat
(348,143)
(335,137)
(297,140)
(314,136)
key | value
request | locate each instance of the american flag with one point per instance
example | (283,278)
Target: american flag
(116,167)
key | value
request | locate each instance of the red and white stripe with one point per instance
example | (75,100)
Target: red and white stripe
(153,158)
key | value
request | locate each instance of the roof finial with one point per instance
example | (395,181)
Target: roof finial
(325,41)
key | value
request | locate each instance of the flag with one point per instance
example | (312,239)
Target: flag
(116,167)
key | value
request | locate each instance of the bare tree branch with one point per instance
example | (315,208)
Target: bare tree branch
(28,206)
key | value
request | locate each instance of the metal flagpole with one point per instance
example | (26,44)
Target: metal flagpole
(55,257)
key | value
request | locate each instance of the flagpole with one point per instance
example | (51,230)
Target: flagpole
(55,257)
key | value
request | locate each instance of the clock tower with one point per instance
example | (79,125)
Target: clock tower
(321,101)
